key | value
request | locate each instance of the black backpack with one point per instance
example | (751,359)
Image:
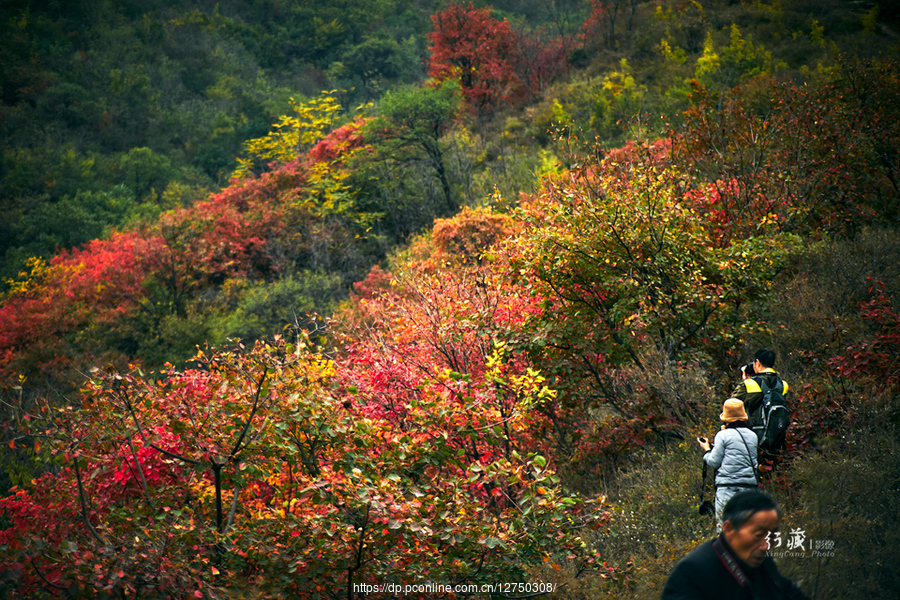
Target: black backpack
(772,418)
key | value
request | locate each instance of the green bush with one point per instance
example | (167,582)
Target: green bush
(849,495)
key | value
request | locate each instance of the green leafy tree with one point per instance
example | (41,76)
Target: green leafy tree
(738,61)
(146,172)
(629,261)
(411,125)
(262,310)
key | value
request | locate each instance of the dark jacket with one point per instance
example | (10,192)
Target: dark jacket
(750,393)
(704,575)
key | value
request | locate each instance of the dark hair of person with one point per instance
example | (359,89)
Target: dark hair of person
(744,505)
(766,357)
(736,424)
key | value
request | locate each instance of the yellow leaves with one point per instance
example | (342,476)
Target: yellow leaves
(709,61)
(675,55)
(199,19)
(204,492)
(327,187)
(560,115)
(526,387)
(29,280)
(245,166)
(621,81)
(495,360)
(292,134)
(769,218)
(326,368)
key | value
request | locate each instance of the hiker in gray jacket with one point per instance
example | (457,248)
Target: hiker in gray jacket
(733,453)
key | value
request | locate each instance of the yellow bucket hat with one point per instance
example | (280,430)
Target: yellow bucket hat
(733,410)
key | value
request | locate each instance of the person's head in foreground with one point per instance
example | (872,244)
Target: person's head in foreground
(748,519)
(735,565)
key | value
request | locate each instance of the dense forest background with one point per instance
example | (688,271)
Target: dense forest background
(297,296)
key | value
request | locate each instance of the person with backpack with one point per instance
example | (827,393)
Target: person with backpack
(733,454)
(763,393)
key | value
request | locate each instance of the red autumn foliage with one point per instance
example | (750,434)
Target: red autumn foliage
(376,281)
(807,160)
(82,289)
(494,64)
(339,142)
(470,233)
(462,365)
(597,22)
(868,372)
(875,362)
(50,325)
(438,324)
(539,60)
(469,44)
(321,495)
(227,235)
